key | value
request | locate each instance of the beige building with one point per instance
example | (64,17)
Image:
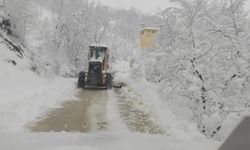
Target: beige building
(148,37)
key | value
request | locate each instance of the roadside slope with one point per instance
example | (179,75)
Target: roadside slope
(23,94)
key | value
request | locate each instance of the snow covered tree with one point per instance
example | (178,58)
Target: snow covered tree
(205,47)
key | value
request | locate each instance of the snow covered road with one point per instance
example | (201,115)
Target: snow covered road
(100,141)
(109,119)
(89,113)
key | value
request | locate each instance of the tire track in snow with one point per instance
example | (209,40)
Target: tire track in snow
(135,114)
(86,115)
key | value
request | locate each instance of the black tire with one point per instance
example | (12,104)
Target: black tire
(109,81)
(81,80)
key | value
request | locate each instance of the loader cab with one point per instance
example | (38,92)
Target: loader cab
(99,56)
(98,53)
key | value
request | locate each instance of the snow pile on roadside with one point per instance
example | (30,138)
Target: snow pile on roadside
(150,101)
(23,94)
(163,115)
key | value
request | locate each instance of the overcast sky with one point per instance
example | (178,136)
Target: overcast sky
(146,6)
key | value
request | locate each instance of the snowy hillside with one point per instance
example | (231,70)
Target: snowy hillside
(25,95)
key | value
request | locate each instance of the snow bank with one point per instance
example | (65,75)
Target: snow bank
(23,94)
(180,134)
(154,104)
(180,129)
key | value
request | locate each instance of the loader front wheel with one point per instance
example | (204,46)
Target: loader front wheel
(109,80)
(81,80)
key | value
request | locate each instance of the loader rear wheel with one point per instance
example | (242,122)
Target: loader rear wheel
(81,80)
(109,81)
